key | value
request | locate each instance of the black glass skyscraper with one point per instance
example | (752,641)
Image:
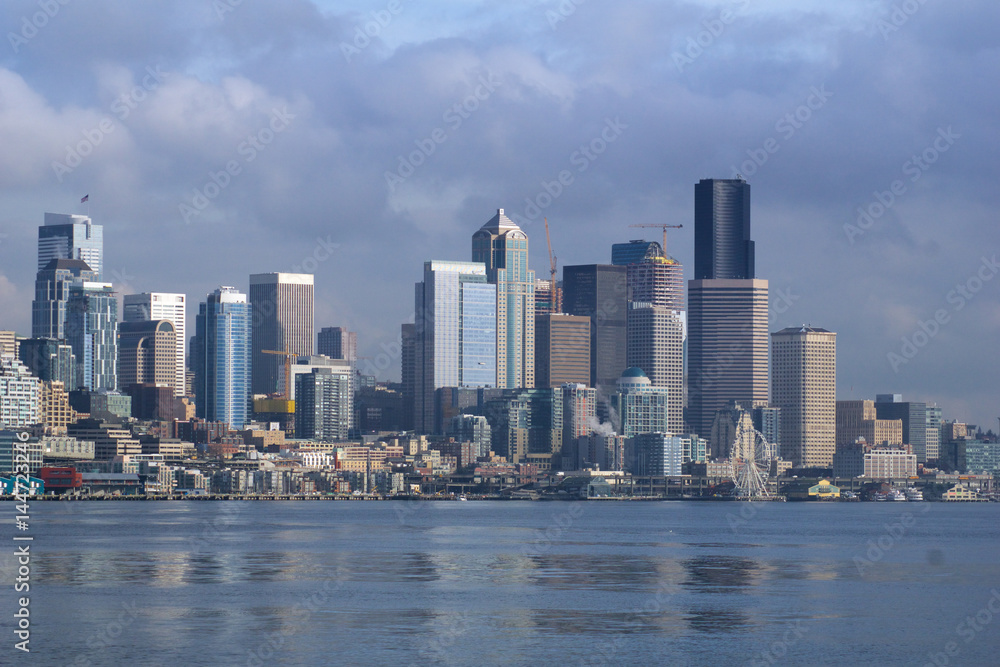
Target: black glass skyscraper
(722,246)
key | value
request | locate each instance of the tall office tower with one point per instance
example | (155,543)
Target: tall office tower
(455,329)
(49,360)
(600,292)
(914,417)
(727,347)
(932,444)
(20,394)
(282,322)
(858,419)
(48,309)
(408,371)
(653,276)
(92,332)
(220,357)
(562,349)
(147,353)
(722,246)
(337,343)
(548,297)
(656,345)
(163,306)
(503,248)
(471,428)
(579,420)
(633,252)
(324,405)
(527,426)
(804,386)
(640,407)
(71,237)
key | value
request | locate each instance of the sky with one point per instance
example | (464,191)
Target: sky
(356,140)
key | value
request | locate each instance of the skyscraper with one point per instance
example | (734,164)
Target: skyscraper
(147,353)
(48,309)
(503,248)
(656,345)
(727,347)
(323,405)
(221,357)
(804,386)
(914,417)
(455,333)
(282,320)
(162,306)
(722,246)
(20,394)
(562,349)
(92,331)
(640,407)
(337,343)
(71,237)
(600,292)
(727,307)
(49,360)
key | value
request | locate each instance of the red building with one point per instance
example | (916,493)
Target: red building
(60,479)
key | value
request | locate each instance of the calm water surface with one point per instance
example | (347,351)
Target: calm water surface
(396,583)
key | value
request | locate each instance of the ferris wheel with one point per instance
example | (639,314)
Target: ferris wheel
(750,462)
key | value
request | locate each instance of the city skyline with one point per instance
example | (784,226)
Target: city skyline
(825,138)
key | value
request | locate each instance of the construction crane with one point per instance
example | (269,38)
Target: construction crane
(288,368)
(556,301)
(664,228)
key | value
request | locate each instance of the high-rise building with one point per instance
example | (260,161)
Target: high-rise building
(8,344)
(858,419)
(932,444)
(503,248)
(337,343)
(653,277)
(163,306)
(408,372)
(767,420)
(71,237)
(455,333)
(548,297)
(527,426)
(49,360)
(633,252)
(722,246)
(220,357)
(474,429)
(92,331)
(20,395)
(640,407)
(48,309)
(579,420)
(562,349)
(656,345)
(727,351)
(324,405)
(804,386)
(282,322)
(657,454)
(147,353)
(600,292)
(914,417)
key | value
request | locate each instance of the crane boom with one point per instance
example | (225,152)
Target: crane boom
(552,270)
(288,368)
(659,226)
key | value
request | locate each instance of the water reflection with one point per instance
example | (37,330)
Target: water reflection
(720,574)
(716,620)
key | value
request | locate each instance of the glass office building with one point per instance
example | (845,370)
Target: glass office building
(92,333)
(71,237)
(220,357)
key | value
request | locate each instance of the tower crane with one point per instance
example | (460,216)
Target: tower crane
(556,301)
(660,226)
(288,368)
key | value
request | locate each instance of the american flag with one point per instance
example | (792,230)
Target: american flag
(85,198)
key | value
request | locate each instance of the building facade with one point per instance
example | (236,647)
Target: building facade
(49,360)
(562,349)
(71,237)
(324,405)
(20,395)
(52,283)
(640,407)
(455,334)
(656,345)
(92,332)
(282,322)
(337,343)
(503,248)
(600,292)
(914,418)
(172,307)
(722,246)
(221,357)
(804,386)
(147,353)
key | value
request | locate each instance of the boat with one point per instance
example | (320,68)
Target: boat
(896,495)
(914,495)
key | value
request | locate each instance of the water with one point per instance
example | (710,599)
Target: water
(396,583)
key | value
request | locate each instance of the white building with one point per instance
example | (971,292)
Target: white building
(162,306)
(20,395)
